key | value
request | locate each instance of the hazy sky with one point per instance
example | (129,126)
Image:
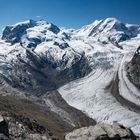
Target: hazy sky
(69,13)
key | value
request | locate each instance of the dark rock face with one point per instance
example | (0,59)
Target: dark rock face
(12,34)
(62,46)
(33,42)
(4,128)
(54,28)
(133,69)
(102,132)
(39,74)
(14,127)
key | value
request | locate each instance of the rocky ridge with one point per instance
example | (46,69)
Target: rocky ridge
(102,132)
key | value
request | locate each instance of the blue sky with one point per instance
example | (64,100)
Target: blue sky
(68,13)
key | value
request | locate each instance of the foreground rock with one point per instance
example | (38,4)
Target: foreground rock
(11,128)
(21,118)
(102,132)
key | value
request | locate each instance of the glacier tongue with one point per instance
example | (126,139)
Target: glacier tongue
(93,93)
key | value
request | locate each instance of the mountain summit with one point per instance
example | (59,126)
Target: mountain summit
(107,30)
(110,30)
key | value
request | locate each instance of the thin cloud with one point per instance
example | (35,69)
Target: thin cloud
(38,16)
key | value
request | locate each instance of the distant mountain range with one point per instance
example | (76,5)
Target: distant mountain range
(74,77)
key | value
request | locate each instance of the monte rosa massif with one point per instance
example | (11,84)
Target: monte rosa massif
(73,84)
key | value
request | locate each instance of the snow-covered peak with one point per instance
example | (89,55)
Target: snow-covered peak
(88,29)
(48,26)
(111,19)
(109,30)
(30,33)
(13,33)
(27,22)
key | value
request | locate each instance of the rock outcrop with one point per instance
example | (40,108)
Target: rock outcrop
(14,128)
(102,132)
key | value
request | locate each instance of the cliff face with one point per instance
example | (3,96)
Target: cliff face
(134,68)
